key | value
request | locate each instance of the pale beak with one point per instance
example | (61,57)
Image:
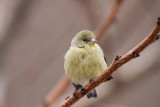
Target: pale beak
(93,41)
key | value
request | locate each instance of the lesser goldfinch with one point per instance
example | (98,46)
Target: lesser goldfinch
(84,60)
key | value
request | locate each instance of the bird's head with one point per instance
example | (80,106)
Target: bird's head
(84,37)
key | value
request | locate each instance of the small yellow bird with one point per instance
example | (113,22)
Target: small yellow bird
(84,60)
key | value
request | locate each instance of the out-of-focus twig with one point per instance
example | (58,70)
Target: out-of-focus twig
(99,31)
(119,61)
(56,91)
(107,22)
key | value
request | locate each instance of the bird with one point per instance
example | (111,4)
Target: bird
(84,60)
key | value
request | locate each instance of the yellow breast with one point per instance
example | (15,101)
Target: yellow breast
(81,64)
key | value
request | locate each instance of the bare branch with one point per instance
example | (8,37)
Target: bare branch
(114,66)
(108,21)
(56,91)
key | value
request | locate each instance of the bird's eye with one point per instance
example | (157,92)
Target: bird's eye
(85,40)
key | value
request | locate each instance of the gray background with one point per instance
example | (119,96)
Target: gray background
(35,34)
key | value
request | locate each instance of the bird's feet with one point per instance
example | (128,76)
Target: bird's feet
(77,87)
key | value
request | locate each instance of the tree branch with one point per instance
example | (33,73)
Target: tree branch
(56,91)
(114,66)
(108,20)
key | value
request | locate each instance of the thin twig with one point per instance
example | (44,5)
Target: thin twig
(56,91)
(99,31)
(108,21)
(114,66)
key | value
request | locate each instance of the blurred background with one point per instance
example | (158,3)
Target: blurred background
(35,35)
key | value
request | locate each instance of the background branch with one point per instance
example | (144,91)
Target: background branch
(114,66)
(108,21)
(56,91)
(99,31)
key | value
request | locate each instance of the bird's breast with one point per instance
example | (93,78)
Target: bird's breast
(81,64)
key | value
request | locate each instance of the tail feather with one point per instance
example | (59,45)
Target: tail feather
(93,94)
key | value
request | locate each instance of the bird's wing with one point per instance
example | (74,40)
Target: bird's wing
(105,59)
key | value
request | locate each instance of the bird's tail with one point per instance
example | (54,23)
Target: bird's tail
(93,94)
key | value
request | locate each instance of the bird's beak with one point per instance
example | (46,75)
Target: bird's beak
(93,41)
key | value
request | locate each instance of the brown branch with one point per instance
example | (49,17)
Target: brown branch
(99,31)
(114,66)
(56,91)
(107,22)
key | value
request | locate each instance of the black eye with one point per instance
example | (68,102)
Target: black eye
(85,40)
